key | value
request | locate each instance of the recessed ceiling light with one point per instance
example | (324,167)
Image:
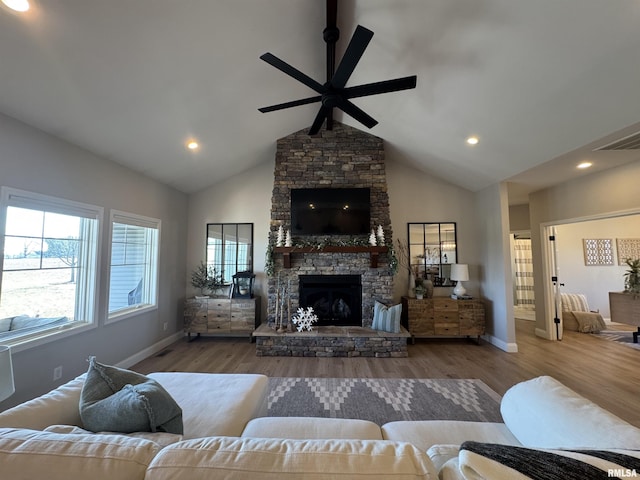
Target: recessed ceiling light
(192,145)
(584,165)
(473,140)
(17,5)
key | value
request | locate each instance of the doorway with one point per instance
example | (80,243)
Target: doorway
(569,259)
(522,273)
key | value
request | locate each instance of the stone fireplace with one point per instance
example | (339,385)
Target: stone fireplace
(340,158)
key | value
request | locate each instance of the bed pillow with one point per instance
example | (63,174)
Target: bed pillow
(386,319)
(487,460)
(118,400)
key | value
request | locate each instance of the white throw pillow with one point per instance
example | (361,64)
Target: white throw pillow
(544,413)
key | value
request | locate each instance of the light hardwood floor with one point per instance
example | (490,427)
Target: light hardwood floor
(601,370)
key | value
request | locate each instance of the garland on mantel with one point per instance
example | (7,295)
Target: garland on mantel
(269,266)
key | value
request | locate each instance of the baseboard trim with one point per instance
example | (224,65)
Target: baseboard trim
(544,334)
(147,352)
(502,345)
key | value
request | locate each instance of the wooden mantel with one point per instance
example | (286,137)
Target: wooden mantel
(372,251)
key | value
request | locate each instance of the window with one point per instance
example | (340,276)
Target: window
(230,248)
(133,276)
(49,265)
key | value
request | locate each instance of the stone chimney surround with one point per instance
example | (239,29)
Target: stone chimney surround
(339,158)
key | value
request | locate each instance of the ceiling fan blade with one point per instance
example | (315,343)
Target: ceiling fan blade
(317,123)
(292,72)
(358,44)
(358,114)
(294,103)
(376,88)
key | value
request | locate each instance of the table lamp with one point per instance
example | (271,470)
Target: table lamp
(459,273)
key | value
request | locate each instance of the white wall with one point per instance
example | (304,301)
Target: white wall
(492,223)
(606,193)
(414,196)
(594,281)
(519,218)
(245,197)
(34,161)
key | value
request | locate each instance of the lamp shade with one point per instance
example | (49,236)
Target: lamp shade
(6,373)
(460,272)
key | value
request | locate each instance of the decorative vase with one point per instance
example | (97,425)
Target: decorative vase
(428,285)
(412,284)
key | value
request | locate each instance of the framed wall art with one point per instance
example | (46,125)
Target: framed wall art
(627,248)
(598,251)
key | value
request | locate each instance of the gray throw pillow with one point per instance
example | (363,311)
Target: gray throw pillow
(117,400)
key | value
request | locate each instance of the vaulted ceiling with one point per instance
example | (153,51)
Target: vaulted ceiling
(541,83)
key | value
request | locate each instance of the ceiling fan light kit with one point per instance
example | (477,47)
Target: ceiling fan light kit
(334,94)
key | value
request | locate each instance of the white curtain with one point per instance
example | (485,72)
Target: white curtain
(523,273)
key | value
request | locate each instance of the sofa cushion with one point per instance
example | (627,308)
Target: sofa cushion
(312,428)
(118,400)
(543,413)
(276,459)
(216,403)
(485,460)
(386,318)
(30,454)
(59,406)
(162,439)
(426,433)
(441,454)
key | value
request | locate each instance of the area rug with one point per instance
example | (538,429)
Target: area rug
(621,336)
(383,400)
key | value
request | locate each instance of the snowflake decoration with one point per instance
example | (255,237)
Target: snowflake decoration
(305,319)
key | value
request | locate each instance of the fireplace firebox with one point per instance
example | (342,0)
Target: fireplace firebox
(335,299)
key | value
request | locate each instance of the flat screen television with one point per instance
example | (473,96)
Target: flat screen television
(330,211)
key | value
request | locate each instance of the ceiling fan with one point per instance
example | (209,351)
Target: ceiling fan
(334,94)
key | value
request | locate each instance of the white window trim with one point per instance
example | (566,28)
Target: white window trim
(119,216)
(24,199)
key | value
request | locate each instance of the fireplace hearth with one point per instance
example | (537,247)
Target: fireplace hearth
(335,299)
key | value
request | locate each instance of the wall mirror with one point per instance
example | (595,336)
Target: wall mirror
(432,250)
(230,248)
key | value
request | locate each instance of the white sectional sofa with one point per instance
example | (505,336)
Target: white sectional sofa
(226,435)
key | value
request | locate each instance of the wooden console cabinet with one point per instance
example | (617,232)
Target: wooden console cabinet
(625,308)
(443,316)
(221,316)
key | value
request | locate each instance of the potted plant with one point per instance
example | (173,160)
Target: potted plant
(420,289)
(632,276)
(206,278)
